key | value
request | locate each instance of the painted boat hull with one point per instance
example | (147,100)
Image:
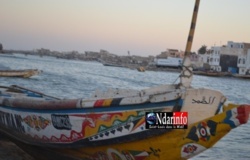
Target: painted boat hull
(93,122)
(35,119)
(177,144)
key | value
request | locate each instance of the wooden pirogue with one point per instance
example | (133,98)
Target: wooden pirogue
(26,73)
(112,125)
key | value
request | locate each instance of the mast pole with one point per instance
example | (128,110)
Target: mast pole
(187,70)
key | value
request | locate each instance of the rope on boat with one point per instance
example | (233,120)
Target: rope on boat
(19,87)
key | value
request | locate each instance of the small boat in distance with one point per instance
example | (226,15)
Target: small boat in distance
(141,69)
(212,73)
(241,76)
(110,63)
(26,73)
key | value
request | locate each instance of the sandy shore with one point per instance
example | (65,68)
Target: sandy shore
(9,151)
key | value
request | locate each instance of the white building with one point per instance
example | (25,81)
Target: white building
(212,57)
(244,63)
(195,61)
(243,50)
(231,44)
(233,48)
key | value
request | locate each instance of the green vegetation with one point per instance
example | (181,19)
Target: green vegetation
(202,50)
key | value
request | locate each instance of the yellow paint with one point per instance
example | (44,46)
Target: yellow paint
(229,106)
(107,102)
(192,29)
(164,147)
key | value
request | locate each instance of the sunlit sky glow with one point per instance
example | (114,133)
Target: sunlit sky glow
(143,27)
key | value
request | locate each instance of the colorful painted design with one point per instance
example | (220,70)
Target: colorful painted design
(190,148)
(203,131)
(118,129)
(136,155)
(110,125)
(100,103)
(173,145)
(61,122)
(233,117)
(95,129)
(36,122)
(103,103)
(100,155)
(113,154)
(13,121)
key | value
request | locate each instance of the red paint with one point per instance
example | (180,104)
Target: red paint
(243,113)
(99,103)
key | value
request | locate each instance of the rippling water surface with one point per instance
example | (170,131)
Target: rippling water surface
(78,79)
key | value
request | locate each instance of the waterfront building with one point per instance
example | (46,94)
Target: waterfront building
(243,63)
(211,58)
(242,51)
(195,61)
(171,58)
(228,63)
(232,55)
(171,53)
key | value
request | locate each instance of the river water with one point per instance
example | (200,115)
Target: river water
(78,79)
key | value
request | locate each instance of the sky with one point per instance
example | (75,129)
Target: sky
(142,27)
